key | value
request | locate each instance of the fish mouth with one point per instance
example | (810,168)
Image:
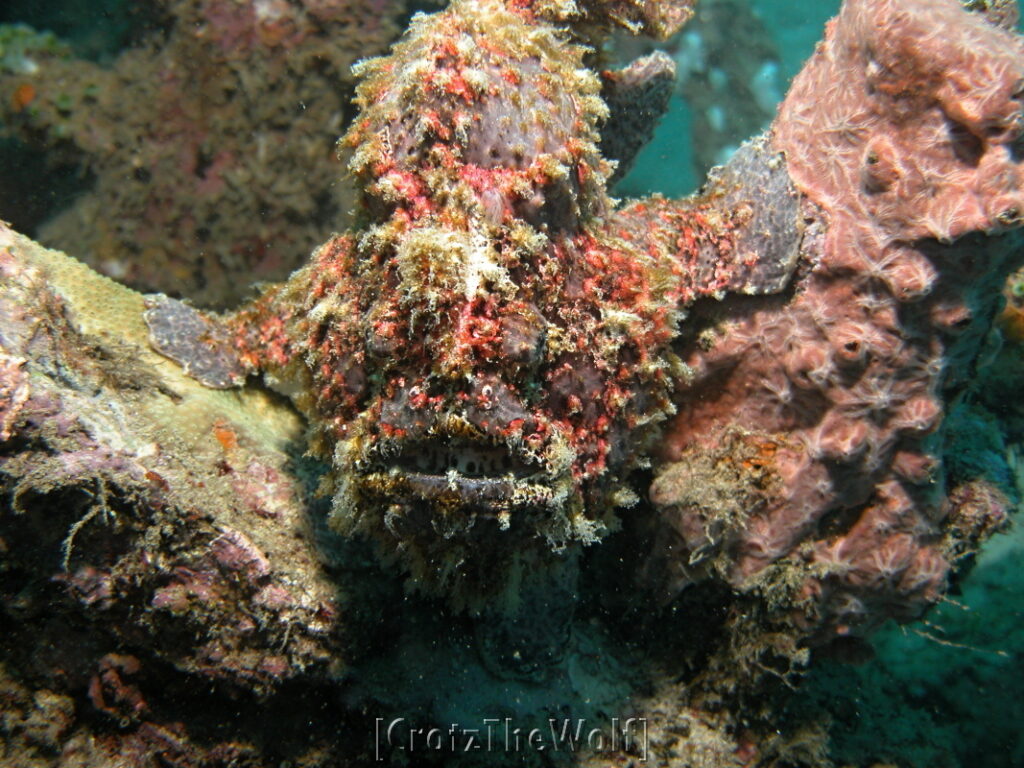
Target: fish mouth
(472,460)
(488,493)
(458,471)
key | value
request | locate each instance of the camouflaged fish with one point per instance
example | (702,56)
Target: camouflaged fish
(498,356)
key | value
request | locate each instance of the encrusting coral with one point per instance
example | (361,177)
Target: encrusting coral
(125,452)
(740,396)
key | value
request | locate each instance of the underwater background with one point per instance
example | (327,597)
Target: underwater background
(945,691)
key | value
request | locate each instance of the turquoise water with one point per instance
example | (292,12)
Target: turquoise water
(666,165)
(943,692)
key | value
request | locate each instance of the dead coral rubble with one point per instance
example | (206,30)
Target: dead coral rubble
(141,509)
(211,143)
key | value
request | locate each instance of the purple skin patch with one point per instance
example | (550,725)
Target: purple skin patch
(199,345)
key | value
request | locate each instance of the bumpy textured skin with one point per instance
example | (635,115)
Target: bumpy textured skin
(486,357)
(637,96)
(493,353)
(198,344)
(656,18)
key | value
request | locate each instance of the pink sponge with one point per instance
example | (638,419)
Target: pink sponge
(902,138)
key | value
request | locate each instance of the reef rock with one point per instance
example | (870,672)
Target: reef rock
(206,147)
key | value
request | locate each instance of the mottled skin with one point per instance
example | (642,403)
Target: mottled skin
(484,353)
(484,356)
